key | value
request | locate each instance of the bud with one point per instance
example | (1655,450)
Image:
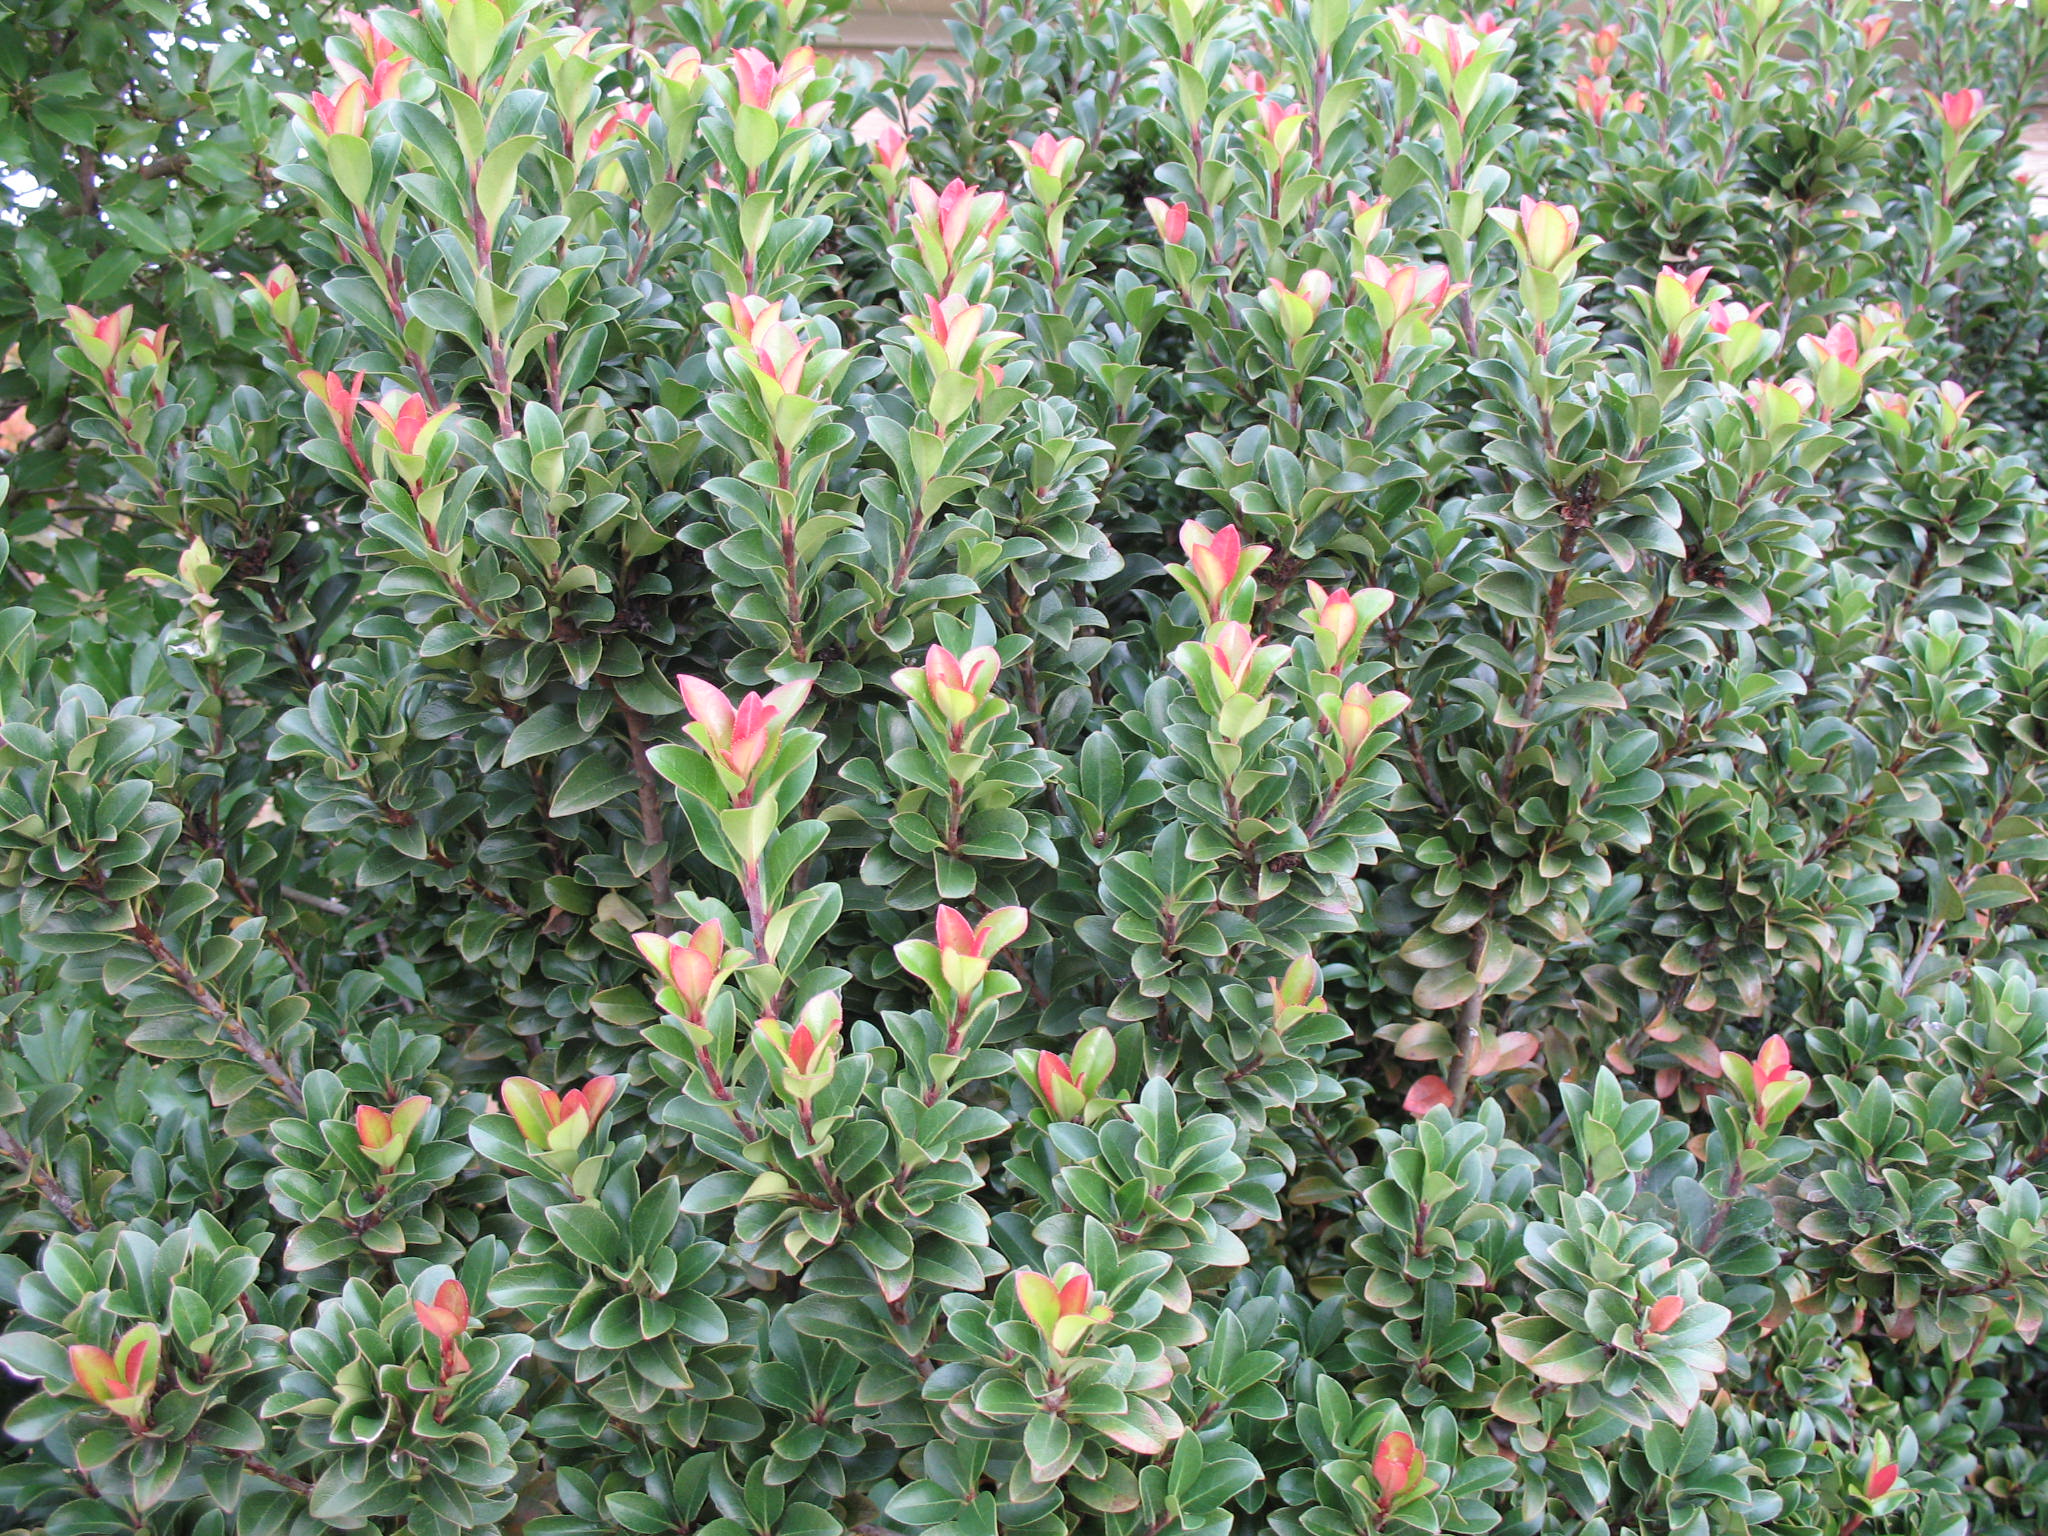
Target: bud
(551,1122)
(341,400)
(1838,344)
(739,741)
(953,323)
(445,1319)
(965,952)
(1874,27)
(382,1134)
(1884,1476)
(950,225)
(347,112)
(1952,404)
(408,428)
(1231,649)
(375,45)
(1770,1084)
(958,685)
(1057,1090)
(1368,218)
(1048,164)
(121,1381)
(1094,1058)
(1356,715)
(1959,110)
(695,968)
(1396,1465)
(1059,1305)
(1297,993)
(99,337)
(1677,295)
(1545,235)
(1401,293)
(808,1053)
(1592,96)
(1333,618)
(759,82)
(1839,363)
(883,137)
(1738,337)
(775,353)
(683,67)
(1067,1090)
(1280,125)
(623,115)
(1218,561)
(150,347)
(1779,407)
(1170,220)
(279,290)
(742,314)
(1723,317)
(197,572)
(1296,308)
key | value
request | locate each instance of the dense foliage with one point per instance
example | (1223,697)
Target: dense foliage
(1266,767)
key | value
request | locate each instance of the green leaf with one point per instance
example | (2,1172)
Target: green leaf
(587,1232)
(594,781)
(548,729)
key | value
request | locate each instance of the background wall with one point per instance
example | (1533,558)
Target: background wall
(877,26)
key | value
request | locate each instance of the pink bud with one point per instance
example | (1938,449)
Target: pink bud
(1960,109)
(1170,219)
(1395,1464)
(885,138)
(1217,560)
(1593,97)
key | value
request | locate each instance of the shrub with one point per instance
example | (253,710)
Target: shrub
(1271,768)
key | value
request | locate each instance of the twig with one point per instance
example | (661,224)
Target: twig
(652,830)
(1466,1039)
(230,1024)
(318,903)
(54,1193)
(263,1469)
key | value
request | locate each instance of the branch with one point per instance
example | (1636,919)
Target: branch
(264,1469)
(652,829)
(54,1194)
(317,903)
(231,1025)
(1469,1017)
(163,166)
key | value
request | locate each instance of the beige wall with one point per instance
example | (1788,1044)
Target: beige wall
(878,26)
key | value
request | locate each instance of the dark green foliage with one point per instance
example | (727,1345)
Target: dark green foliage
(1319,809)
